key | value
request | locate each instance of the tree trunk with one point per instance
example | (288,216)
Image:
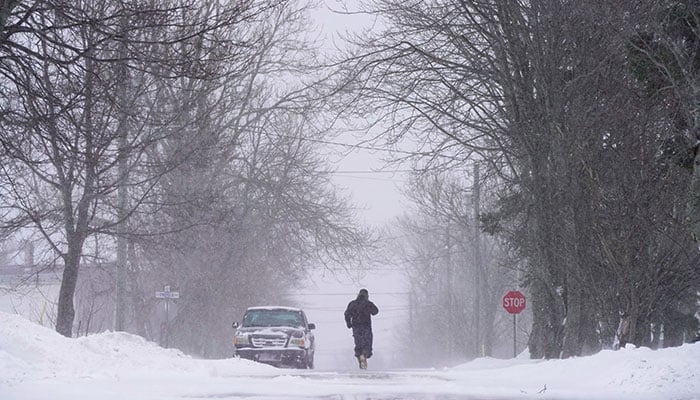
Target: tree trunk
(633,319)
(580,331)
(544,339)
(579,334)
(694,195)
(571,343)
(548,312)
(66,309)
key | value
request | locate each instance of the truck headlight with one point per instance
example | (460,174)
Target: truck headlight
(241,339)
(297,341)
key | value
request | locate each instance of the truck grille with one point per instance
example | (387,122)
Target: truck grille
(269,341)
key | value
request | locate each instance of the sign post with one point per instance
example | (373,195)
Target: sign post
(514,303)
(167,295)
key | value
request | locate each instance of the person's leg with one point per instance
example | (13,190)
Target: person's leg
(370,339)
(366,346)
(363,341)
(357,337)
(363,345)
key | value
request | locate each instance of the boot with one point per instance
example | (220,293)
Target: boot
(363,361)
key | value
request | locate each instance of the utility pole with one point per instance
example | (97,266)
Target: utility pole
(122,166)
(478,267)
(450,309)
(411,318)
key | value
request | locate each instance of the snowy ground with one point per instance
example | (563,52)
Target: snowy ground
(37,363)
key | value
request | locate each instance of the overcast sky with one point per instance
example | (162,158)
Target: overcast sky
(362,174)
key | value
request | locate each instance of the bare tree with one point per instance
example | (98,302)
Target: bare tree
(664,57)
(456,276)
(249,208)
(541,93)
(61,115)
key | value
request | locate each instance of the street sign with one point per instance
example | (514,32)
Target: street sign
(514,302)
(167,295)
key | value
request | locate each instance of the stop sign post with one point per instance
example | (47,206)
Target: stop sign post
(514,302)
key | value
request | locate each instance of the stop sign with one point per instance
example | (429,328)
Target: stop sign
(514,302)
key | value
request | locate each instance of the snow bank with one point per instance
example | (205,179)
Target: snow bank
(672,373)
(31,351)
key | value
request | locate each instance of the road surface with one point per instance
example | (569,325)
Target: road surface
(347,385)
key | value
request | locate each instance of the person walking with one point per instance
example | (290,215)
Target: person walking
(358,317)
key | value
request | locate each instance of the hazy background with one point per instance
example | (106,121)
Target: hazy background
(375,191)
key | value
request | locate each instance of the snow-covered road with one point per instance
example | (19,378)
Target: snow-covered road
(276,384)
(373,385)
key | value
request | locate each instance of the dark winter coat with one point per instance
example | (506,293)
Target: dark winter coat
(359,312)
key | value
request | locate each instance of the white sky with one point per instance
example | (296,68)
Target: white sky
(362,174)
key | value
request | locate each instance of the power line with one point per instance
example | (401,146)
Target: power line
(320,324)
(401,307)
(371,179)
(351,294)
(357,146)
(395,171)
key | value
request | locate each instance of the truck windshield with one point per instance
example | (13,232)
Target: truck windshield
(273,317)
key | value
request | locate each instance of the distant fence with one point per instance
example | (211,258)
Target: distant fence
(11,275)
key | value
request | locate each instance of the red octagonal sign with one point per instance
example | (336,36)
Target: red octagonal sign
(514,302)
